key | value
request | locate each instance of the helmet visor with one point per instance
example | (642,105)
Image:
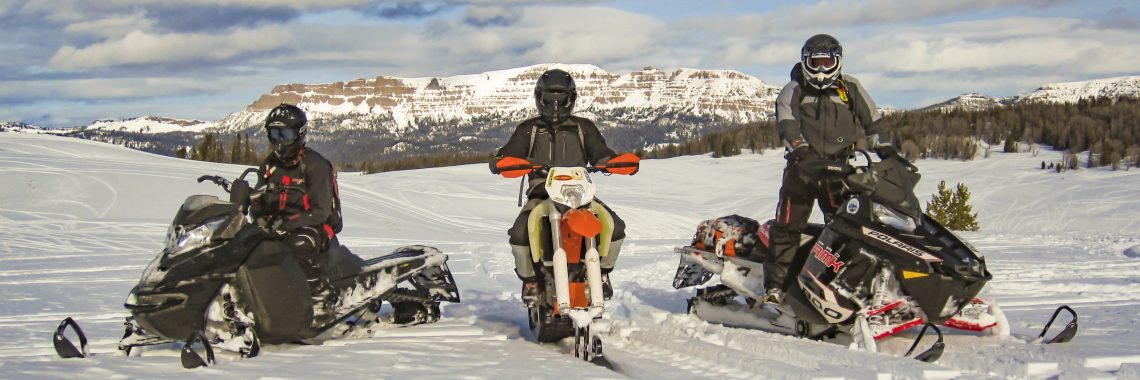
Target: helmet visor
(282,135)
(555,99)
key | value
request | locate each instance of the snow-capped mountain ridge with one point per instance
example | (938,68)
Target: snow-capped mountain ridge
(150,124)
(1062,92)
(968,102)
(724,94)
(1071,92)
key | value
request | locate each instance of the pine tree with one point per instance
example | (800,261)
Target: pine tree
(181,152)
(249,157)
(962,216)
(938,207)
(235,150)
(953,209)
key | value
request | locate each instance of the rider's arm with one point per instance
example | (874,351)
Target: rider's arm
(596,149)
(255,205)
(868,112)
(320,193)
(787,117)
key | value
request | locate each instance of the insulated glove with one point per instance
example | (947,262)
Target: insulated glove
(886,151)
(799,153)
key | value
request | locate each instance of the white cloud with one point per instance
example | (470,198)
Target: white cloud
(1054,45)
(113,26)
(140,47)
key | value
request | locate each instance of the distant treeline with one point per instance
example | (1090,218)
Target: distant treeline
(212,148)
(1107,129)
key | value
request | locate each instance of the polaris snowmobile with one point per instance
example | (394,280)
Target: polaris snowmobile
(211,287)
(569,233)
(877,267)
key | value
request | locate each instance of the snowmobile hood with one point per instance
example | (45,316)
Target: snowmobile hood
(199,208)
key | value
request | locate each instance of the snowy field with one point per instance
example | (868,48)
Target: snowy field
(79,220)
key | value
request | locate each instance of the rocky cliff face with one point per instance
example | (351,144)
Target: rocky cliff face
(386,117)
(729,95)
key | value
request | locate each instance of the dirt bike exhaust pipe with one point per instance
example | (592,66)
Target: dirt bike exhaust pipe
(1065,335)
(63,346)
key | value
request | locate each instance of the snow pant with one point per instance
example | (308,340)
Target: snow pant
(308,245)
(520,240)
(792,212)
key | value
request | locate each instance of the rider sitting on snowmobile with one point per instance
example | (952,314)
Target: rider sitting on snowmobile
(820,115)
(298,207)
(555,138)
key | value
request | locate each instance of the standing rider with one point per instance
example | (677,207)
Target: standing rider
(555,138)
(298,208)
(820,115)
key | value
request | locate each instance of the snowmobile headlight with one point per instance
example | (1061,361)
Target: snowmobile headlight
(886,216)
(132,298)
(195,238)
(573,195)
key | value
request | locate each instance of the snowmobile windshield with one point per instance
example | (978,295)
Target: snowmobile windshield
(282,135)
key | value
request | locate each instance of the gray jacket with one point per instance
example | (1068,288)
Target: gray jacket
(829,125)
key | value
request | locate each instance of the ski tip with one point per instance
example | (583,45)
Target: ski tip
(64,347)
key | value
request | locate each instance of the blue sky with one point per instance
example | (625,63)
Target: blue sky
(69,62)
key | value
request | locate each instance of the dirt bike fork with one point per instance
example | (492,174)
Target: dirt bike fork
(561,269)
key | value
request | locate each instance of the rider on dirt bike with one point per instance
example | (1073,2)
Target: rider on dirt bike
(555,138)
(298,208)
(820,115)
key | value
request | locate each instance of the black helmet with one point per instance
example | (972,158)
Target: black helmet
(821,59)
(286,127)
(554,95)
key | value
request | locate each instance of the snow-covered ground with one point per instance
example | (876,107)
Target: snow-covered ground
(79,220)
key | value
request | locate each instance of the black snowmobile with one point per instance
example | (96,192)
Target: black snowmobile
(212,287)
(877,267)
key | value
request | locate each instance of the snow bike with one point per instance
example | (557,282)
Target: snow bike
(569,233)
(212,287)
(877,267)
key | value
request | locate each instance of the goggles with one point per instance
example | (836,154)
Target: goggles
(821,61)
(555,98)
(282,135)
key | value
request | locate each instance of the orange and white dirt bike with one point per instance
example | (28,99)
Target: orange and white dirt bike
(569,233)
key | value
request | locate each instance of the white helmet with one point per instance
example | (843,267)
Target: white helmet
(821,59)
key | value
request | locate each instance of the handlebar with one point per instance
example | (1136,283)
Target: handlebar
(626,164)
(225,183)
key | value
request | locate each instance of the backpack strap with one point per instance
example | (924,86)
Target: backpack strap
(582,141)
(530,148)
(845,94)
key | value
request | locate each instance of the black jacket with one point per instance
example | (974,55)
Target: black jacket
(299,193)
(574,142)
(822,118)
